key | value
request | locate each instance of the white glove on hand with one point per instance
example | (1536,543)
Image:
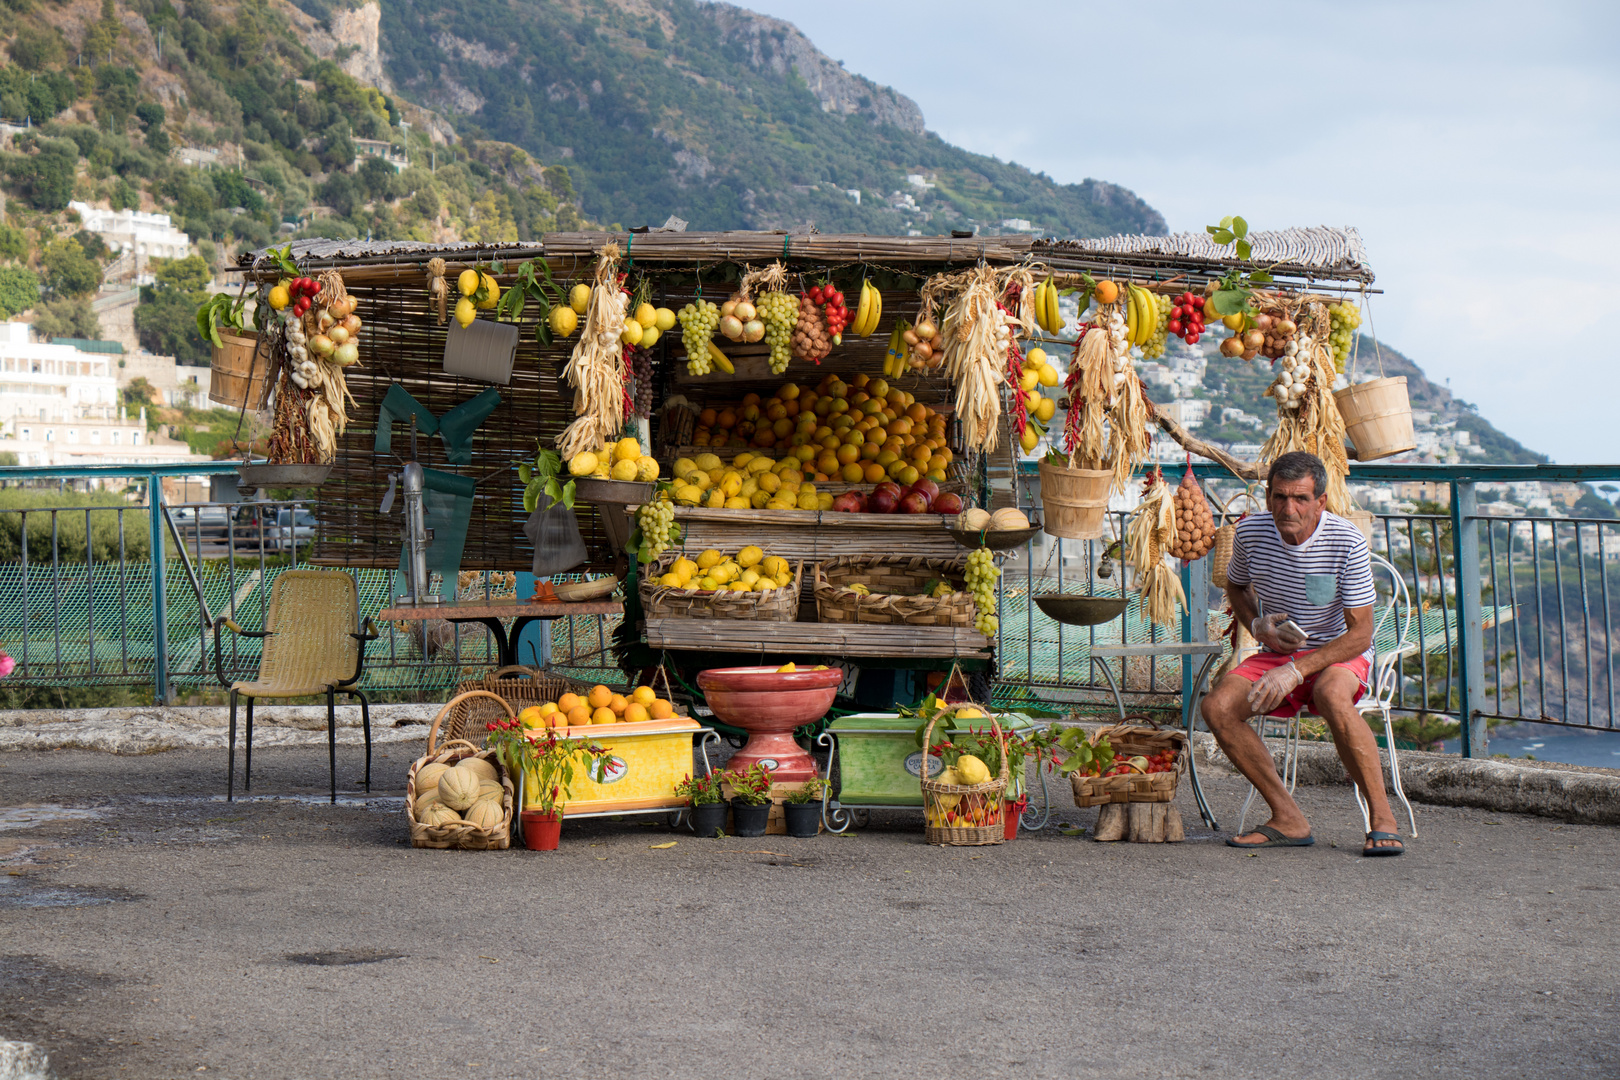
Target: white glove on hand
(1274,687)
(1269,631)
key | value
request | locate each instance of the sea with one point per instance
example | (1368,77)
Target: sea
(1549,742)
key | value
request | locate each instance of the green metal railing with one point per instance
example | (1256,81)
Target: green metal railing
(1517,623)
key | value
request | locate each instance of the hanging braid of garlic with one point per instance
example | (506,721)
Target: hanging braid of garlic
(1308,418)
(1152,533)
(596,368)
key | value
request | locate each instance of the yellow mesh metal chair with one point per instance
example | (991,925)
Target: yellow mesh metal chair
(310,648)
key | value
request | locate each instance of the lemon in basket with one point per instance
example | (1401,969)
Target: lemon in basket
(749,556)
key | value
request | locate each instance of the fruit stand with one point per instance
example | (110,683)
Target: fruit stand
(793,448)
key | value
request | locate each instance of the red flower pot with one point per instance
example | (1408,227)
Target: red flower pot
(541,831)
(1010,813)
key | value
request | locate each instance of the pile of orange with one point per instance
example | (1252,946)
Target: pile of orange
(600,706)
(862,431)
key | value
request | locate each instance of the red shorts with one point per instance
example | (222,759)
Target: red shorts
(1263,661)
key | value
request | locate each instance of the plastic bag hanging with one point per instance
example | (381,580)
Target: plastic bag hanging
(558,545)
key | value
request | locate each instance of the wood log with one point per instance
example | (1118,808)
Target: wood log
(1140,823)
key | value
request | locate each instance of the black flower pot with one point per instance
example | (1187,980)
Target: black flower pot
(803,819)
(709,818)
(750,820)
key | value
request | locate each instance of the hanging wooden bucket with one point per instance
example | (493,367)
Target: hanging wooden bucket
(237,376)
(1378,417)
(1363,520)
(1074,502)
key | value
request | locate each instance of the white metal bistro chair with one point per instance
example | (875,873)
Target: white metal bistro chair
(1379,698)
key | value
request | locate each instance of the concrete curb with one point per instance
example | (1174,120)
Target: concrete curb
(1588,798)
(156,728)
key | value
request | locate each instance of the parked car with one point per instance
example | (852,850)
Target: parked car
(294,528)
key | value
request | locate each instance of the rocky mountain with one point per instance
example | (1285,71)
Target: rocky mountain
(719,116)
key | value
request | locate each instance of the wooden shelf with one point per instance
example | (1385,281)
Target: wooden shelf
(816,639)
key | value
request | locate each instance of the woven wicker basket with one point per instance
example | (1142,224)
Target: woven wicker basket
(1128,741)
(665,602)
(894,581)
(981,803)
(460,834)
(1225,537)
(467,719)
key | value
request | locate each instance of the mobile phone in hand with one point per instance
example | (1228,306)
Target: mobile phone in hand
(1294,627)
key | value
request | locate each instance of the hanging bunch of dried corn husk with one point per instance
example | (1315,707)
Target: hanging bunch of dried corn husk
(438,288)
(1307,417)
(596,368)
(1107,422)
(978,335)
(1152,533)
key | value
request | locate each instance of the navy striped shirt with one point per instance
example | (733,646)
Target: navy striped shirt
(1313,582)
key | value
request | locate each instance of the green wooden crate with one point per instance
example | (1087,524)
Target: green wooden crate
(879,763)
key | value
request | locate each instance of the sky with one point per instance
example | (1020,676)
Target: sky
(1476,146)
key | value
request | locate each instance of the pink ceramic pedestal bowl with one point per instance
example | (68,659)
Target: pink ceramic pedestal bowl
(769,704)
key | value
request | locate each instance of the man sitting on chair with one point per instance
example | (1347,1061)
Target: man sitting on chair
(1301,580)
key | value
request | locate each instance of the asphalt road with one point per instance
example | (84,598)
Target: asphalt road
(164,933)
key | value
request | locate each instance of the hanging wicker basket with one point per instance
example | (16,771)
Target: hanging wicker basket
(1220,555)
(964,815)
(460,834)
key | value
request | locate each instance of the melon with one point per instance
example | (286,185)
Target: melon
(485,814)
(1009,517)
(479,767)
(972,770)
(440,814)
(427,777)
(422,805)
(489,789)
(973,518)
(458,788)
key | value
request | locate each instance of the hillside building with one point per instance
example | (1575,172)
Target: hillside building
(59,405)
(146,236)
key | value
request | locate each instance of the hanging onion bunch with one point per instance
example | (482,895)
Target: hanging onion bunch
(596,368)
(1150,534)
(777,310)
(1307,417)
(1195,522)
(811,339)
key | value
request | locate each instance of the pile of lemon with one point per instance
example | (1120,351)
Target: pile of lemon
(751,481)
(598,706)
(622,460)
(750,570)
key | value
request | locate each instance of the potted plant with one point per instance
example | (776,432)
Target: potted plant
(802,810)
(547,763)
(703,794)
(750,800)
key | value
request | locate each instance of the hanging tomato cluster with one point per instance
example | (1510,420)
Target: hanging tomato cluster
(833,309)
(1187,317)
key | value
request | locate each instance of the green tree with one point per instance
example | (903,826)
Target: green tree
(378,179)
(166,317)
(67,316)
(19,290)
(68,270)
(36,49)
(13,242)
(117,91)
(187,275)
(44,177)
